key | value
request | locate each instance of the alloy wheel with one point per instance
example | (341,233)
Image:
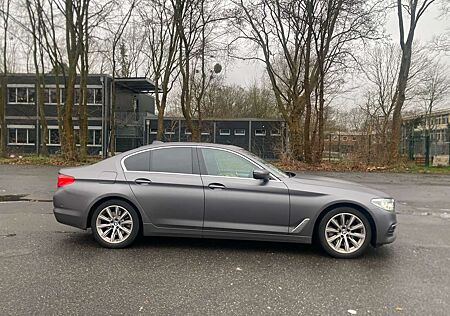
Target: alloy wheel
(345,233)
(114,224)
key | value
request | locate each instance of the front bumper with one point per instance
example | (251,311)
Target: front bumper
(386,227)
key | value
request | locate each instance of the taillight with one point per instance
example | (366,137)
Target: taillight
(64,180)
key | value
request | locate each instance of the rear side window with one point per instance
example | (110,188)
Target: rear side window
(138,162)
(171,160)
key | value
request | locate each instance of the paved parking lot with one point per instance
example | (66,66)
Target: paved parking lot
(49,268)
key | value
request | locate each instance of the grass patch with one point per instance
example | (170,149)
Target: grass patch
(52,160)
(349,166)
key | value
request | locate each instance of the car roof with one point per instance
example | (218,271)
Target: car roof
(184,144)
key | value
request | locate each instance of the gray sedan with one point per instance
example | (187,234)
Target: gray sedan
(219,191)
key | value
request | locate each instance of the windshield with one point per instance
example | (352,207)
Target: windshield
(274,170)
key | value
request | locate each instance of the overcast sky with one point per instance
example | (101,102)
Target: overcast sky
(245,73)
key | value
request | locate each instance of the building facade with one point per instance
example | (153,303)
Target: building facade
(424,135)
(133,104)
(135,119)
(263,137)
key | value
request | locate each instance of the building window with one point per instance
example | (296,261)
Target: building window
(91,96)
(224,132)
(260,132)
(31,95)
(169,131)
(354,138)
(53,99)
(53,136)
(153,131)
(187,131)
(21,135)
(205,133)
(344,138)
(12,95)
(21,95)
(98,96)
(94,136)
(239,132)
(275,132)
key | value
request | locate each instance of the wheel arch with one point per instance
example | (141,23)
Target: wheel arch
(113,197)
(350,205)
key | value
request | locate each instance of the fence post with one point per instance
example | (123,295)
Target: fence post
(329,147)
(427,150)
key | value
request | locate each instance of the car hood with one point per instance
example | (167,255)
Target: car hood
(333,183)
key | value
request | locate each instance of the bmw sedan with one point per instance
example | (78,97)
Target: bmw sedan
(219,191)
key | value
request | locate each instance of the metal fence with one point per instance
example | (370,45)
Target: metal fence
(426,149)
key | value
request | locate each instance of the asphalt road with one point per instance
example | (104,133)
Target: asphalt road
(49,268)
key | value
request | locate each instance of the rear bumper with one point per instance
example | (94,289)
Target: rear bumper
(70,217)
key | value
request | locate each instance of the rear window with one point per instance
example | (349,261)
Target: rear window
(171,160)
(138,162)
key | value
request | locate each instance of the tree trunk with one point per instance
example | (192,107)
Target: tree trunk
(400,100)
(3,101)
(295,137)
(42,118)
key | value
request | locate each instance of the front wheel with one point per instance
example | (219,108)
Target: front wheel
(344,233)
(115,224)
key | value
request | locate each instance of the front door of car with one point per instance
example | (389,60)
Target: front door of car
(167,185)
(235,201)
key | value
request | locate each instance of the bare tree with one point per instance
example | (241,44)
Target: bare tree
(300,42)
(411,10)
(34,9)
(162,42)
(196,23)
(116,28)
(434,88)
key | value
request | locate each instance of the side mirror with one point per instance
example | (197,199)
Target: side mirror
(261,174)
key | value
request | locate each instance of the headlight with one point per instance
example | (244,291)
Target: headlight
(385,204)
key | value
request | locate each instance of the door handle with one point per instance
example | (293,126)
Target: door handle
(143,181)
(214,186)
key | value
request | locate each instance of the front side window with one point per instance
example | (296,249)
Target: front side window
(227,164)
(171,160)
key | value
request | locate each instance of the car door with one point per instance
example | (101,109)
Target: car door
(167,185)
(235,201)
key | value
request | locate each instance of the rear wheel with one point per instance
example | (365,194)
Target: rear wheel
(345,233)
(115,224)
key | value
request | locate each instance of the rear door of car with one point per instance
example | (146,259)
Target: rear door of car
(168,186)
(235,201)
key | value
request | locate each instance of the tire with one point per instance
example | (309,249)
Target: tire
(346,241)
(115,224)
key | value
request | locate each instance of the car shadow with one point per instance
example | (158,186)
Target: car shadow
(213,247)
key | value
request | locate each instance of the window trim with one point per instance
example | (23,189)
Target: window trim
(260,134)
(122,164)
(16,127)
(222,132)
(278,132)
(239,134)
